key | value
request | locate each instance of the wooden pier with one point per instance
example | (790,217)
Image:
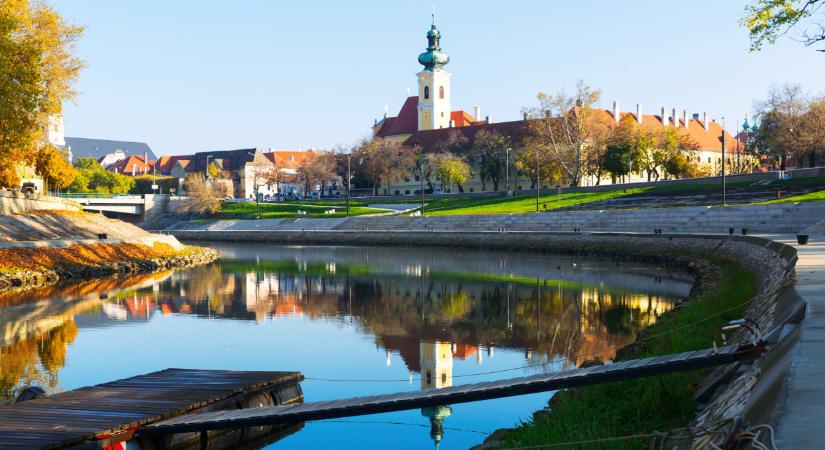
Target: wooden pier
(356,406)
(97,416)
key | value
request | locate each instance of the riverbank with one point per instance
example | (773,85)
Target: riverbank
(41,248)
(740,276)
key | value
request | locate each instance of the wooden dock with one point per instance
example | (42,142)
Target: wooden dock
(347,407)
(97,416)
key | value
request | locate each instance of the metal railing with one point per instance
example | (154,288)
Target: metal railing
(91,195)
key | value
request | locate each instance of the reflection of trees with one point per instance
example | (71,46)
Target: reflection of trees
(35,360)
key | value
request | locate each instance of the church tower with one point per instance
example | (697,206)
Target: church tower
(433,85)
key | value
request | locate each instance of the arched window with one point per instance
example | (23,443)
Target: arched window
(441,92)
(426,92)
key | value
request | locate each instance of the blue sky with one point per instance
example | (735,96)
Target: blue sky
(190,76)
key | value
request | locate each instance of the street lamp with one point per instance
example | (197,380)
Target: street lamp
(538,179)
(507,169)
(349,177)
(255,188)
(723,161)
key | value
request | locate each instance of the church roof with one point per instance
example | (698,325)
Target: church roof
(405,123)
(98,148)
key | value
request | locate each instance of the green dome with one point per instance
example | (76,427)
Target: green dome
(433,58)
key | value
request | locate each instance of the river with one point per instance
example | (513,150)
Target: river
(353,320)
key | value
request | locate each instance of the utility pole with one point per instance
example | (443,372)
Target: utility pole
(349,177)
(723,161)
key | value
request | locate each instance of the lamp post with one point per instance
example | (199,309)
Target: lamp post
(255,187)
(421,179)
(723,162)
(349,178)
(538,179)
(507,169)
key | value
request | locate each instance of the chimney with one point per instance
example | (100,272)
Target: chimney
(452,123)
(675,118)
(639,113)
(477,113)
(664,116)
(696,116)
(487,120)
(685,118)
(705,121)
(616,111)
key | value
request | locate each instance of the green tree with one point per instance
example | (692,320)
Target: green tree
(37,68)
(618,161)
(767,20)
(488,154)
(92,177)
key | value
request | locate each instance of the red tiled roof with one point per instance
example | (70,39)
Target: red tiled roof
(133,164)
(461,118)
(405,123)
(166,163)
(707,140)
(289,159)
(428,138)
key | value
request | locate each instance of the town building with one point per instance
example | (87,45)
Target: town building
(242,168)
(106,151)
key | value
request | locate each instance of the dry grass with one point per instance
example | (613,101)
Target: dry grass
(34,258)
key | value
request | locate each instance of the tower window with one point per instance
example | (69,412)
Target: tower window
(426,92)
(441,92)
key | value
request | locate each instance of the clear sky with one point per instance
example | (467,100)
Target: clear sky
(189,76)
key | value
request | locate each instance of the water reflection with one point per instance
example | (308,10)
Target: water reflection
(444,315)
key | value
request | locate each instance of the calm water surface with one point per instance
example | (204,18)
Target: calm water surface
(381,319)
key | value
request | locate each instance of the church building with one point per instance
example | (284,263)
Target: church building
(426,120)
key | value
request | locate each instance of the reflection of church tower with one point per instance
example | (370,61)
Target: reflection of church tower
(437,414)
(436,373)
(433,85)
(436,365)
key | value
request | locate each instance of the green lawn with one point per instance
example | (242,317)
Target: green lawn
(809,197)
(517,204)
(285,210)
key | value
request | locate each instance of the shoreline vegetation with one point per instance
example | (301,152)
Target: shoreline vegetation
(721,293)
(30,267)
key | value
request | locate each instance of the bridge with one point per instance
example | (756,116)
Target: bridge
(132,205)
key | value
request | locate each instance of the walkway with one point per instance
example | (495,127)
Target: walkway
(803,415)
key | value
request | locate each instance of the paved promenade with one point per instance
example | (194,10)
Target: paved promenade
(803,416)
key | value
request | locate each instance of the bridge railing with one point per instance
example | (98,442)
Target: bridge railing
(97,195)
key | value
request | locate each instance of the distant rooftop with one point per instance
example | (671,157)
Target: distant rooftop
(98,148)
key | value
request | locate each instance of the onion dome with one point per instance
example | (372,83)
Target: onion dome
(433,58)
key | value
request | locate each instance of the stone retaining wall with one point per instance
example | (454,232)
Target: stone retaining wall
(14,202)
(773,218)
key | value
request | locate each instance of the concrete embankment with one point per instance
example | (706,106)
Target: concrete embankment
(43,247)
(772,218)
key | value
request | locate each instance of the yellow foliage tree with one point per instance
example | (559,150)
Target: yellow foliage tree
(52,165)
(37,68)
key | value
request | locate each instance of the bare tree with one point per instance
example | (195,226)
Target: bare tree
(204,197)
(780,134)
(564,125)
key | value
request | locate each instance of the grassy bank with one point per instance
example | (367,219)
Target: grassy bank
(290,210)
(649,404)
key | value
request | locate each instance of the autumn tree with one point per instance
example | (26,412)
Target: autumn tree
(92,177)
(675,149)
(564,126)
(768,20)
(37,69)
(781,134)
(381,162)
(488,155)
(204,197)
(51,164)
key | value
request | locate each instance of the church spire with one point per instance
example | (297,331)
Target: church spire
(433,58)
